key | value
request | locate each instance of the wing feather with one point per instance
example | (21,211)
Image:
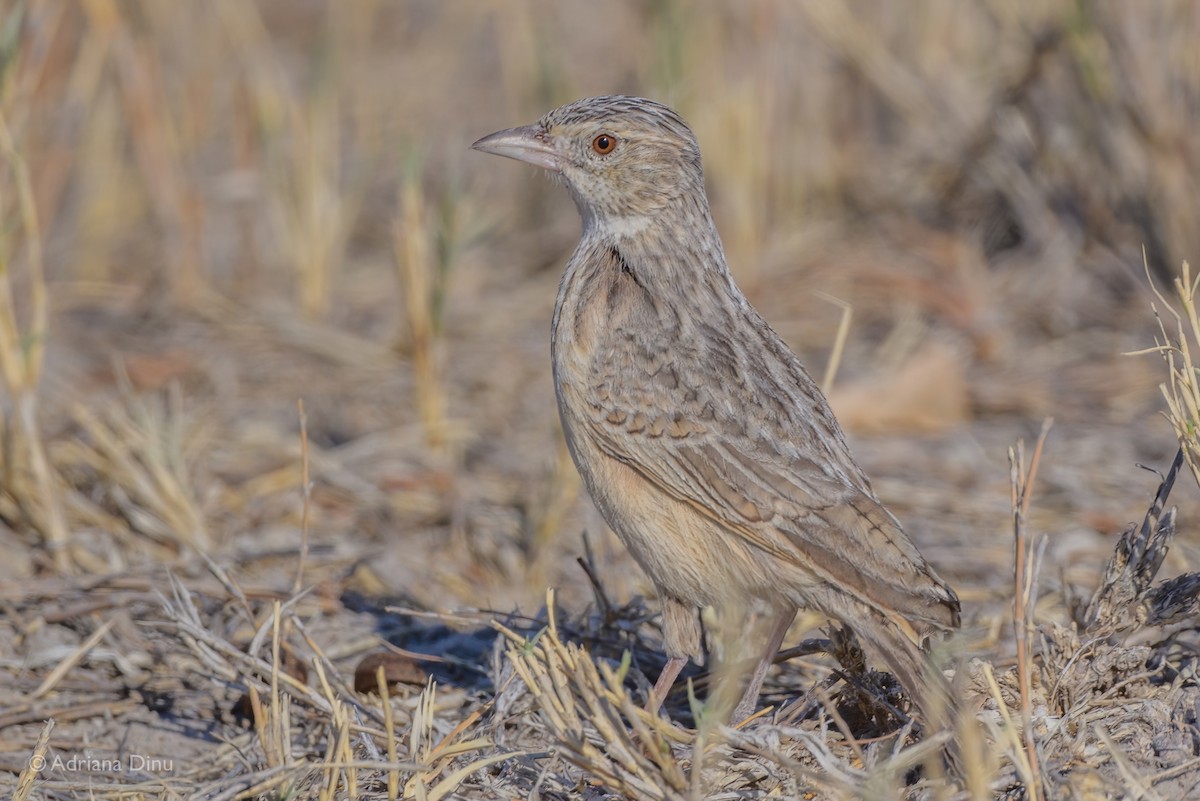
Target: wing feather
(775,483)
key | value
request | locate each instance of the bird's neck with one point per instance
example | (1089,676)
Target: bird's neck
(655,260)
(677,247)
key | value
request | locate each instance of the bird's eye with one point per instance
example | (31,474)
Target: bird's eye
(604,144)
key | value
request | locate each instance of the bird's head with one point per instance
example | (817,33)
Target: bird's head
(624,159)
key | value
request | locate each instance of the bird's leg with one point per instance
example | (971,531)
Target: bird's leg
(783,620)
(666,680)
(682,634)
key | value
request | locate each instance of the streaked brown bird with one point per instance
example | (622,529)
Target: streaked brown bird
(703,441)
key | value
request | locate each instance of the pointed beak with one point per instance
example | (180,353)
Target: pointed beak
(529,143)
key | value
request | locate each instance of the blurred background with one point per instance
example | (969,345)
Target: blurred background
(212,211)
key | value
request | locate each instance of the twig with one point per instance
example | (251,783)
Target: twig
(588,563)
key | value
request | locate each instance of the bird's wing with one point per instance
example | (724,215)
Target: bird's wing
(743,452)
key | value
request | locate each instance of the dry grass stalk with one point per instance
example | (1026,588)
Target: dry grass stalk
(1010,733)
(839,340)
(28,475)
(825,774)
(1178,348)
(338,713)
(224,659)
(313,213)
(311,207)
(389,721)
(333,714)
(746,172)
(1137,785)
(849,34)
(306,492)
(413,248)
(436,758)
(29,774)
(420,735)
(272,721)
(72,659)
(595,722)
(157,147)
(140,452)
(340,768)
(1024,597)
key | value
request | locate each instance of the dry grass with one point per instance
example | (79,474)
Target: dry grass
(212,211)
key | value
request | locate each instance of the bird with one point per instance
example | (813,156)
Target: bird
(700,436)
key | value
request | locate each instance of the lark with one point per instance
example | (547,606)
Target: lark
(702,439)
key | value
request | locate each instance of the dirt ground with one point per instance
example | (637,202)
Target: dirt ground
(245,250)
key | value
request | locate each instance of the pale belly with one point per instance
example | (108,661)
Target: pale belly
(688,556)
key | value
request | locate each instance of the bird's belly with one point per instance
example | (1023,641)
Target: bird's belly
(686,555)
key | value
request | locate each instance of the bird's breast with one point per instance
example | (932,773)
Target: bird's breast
(602,294)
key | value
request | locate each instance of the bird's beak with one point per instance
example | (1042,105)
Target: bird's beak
(529,143)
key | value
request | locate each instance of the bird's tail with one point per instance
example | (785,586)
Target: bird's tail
(891,644)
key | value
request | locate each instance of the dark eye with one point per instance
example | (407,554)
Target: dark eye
(604,144)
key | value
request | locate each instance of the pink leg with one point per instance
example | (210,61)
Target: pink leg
(666,680)
(745,707)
